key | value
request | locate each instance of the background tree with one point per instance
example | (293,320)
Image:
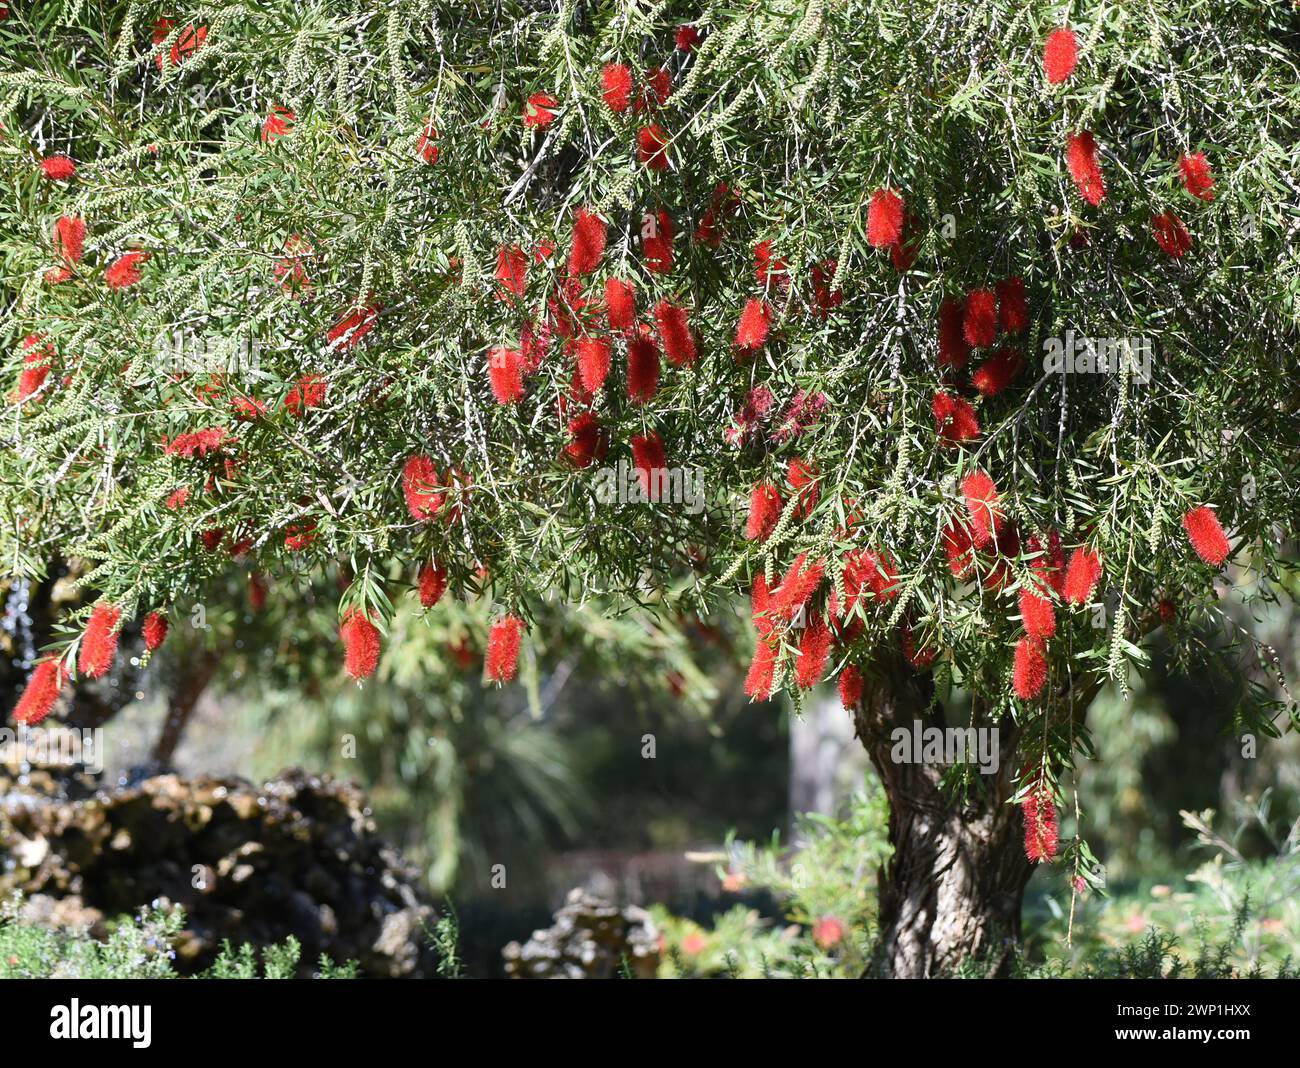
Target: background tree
(446,266)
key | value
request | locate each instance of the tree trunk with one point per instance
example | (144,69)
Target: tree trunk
(952,891)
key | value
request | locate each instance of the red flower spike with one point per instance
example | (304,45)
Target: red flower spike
(616,86)
(1081,576)
(851,685)
(1197,178)
(503,649)
(99,642)
(539,111)
(432,584)
(884,218)
(58,168)
(1041,833)
(1038,614)
(762,669)
(1060,54)
(652,147)
(814,651)
(657,247)
(360,645)
(1171,234)
(955,419)
(642,369)
(1081,158)
(154,630)
(797,586)
(421,487)
(984,506)
(512,272)
(586,443)
(40,693)
(958,547)
(620,304)
(764,511)
(651,466)
(997,372)
(70,238)
(675,334)
(124,272)
(1013,307)
(427,147)
(1205,532)
(980,320)
(278,122)
(589,237)
(506,375)
(754,326)
(954,349)
(307,393)
(594,357)
(802,477)
(1030,670)
(686,37)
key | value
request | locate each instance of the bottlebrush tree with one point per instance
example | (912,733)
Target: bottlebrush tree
(457,263)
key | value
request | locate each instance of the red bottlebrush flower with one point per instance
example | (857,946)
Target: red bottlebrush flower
(432,584)
(40,693)
(1081,576)
(512,272)
(867,571)
(651,467)
(1197,178)
(814,651)
(675,334)
(1060,54)
(211,538)
(124,271)
(1205,532)
(177,498)
(979,324)
(658,87)
(256,592)
(1038,614)
(769,268)
(760,603)
(38,357)
(57,275)
(826,300)
(652,147)
(642,369)
(99,642)
(958,547)
(954,418)
(588,246)
(278,122)
(503,648)
(984,506)
(1041,833)
(760,678)
(755,323)
(70,238)
(723,203)
(798,585)
(586,443)
(1171,234)
(803,412)
(851,684)
(298,536)
(539,111)
(58,168)
(593,362)
(427,147)
(348,332)
(1030,671)
(921,657)
(657,246)
(686,37)
(884,218)
(1048,565)
(360,645)
(290,269)
(954,349)
(802,477)
(154,630)
(620,304)
(307,392)
(997,372)
(616,86)
(188,41)
(421,487)
(247,409)
(764,511)
(1081,158)
(196,443)
(1167,610)
(827,933)
(506,374)
(1013,308)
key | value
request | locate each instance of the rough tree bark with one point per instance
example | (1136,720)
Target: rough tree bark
(953,889)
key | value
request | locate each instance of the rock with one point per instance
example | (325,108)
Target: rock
(590,939)
(300,856)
